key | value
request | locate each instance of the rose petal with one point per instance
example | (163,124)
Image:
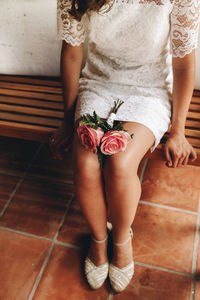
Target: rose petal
(114,141)
(88,137)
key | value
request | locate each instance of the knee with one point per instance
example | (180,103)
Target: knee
(86,165)
(86,169)
(117,170)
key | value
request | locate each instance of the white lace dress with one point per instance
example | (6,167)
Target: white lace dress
(130,47)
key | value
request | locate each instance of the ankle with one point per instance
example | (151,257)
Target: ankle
(100,241)
(98,252)
(120,237)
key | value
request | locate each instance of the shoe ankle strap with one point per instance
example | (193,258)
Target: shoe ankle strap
(126,241)
(99,241)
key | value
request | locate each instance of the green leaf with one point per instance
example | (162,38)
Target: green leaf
(118,126)
(90,118)
(88,123)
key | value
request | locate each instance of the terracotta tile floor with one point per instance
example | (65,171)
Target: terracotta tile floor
(44,237)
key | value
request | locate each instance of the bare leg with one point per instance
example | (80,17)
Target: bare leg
(123,188)
(90,194)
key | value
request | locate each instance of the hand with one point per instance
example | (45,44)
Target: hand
(178,150)
(61,140)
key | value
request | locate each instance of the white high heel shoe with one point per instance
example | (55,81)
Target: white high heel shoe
(121,277)
(96,275)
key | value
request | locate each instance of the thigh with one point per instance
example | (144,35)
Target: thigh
(143,139)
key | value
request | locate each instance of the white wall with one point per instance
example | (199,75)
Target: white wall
(28,38)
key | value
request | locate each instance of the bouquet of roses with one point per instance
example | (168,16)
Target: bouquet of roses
(104,137)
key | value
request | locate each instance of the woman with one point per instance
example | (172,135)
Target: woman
(142,52)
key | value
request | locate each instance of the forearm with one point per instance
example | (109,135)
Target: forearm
(183,86)
(71,62)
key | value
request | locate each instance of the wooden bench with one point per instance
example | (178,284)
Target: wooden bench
(32,108)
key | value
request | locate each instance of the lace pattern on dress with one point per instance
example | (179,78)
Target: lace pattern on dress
(184,27)
(157,2)
(69,29)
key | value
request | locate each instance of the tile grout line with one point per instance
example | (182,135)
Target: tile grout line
(48,180)
(68,245)
(10,174)
(33,158)
(169,207)
(111,296)
(163,269)
(21,179)
(41,272)
(64,217)
(11,196)
(28,166)
(35,286)
(162,205)
(40,237)
(195,255)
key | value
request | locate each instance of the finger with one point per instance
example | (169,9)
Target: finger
(175,160)
(185,162)
(57,152)
(56,155)
(193,155)
(168,157)
(53,153)
(180,162)
(58,146)
(63,142)
(68,146)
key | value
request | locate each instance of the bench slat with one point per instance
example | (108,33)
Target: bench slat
(34,95)
(196,93)
(195,100)
(31,88)
(194,142)
(27,126)
(192,123)
(32,102)
(193,115)
(195,107)
(28,119)
(32,111)
(48,81)
(192,132)
(25,131)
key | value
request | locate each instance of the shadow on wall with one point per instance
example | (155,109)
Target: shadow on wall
(28,39)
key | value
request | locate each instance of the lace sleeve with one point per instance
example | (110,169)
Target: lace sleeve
(184,27)
(69,29)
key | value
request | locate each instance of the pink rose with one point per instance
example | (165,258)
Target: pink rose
(89,137)
(114,141)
